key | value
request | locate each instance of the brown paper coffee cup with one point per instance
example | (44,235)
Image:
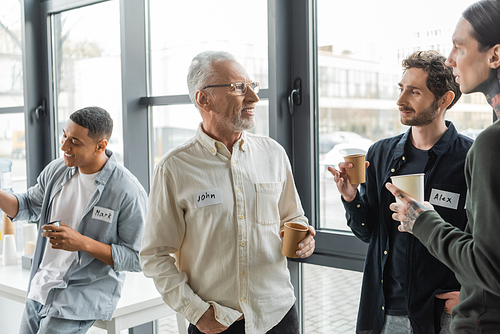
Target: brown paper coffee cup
(357,172)
(8,226)
(294,233)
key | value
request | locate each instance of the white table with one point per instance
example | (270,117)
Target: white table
(140,302)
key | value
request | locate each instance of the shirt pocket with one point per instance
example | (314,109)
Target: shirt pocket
(268,196)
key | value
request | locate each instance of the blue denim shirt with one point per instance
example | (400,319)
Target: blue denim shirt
(91,288)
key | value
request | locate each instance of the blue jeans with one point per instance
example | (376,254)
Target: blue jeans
(33,322)
(396,324)
(445,323)
(288,325)
(401,324)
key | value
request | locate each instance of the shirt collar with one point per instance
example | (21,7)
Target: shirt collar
(107,170)
(446,139)
(439,148)
(213,145)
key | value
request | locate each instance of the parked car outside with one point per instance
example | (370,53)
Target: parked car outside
(338,152)
(328,140)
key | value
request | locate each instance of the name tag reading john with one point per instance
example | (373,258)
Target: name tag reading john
(103,214)
(444,198)
(207,197)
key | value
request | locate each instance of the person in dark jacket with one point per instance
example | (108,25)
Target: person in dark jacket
(405,289)
(472,254)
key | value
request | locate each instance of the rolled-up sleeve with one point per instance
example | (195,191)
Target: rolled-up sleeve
(30,202)
(130,228)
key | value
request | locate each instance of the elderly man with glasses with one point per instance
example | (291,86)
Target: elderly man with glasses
(217,209)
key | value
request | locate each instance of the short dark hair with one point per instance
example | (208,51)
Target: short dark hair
(96,120)
(484,17)
(440,78)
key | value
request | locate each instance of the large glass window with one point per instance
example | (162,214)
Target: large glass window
(87,65)
(178,32)
(359,55)
(11,63)
(331,299)
(182,29)
(12,153)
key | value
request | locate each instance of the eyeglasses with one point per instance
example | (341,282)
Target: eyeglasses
(240,87)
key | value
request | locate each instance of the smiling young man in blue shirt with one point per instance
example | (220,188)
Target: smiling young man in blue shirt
(76,275)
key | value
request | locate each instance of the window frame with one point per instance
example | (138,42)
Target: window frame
(333,248)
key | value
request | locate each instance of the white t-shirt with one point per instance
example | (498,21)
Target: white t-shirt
(68,207)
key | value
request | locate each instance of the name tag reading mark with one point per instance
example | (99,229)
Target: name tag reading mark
(207,197)
(444,198)
(103,214)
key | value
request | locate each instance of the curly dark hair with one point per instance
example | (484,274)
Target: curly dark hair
(440,77)
(96,120)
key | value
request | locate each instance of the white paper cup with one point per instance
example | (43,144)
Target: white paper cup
(30,232)
(411,184)
(29,247)
(9,250)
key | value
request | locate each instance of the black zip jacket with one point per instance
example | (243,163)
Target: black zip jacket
(368,214)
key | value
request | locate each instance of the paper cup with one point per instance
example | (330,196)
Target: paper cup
(294,233)
(9,250)
(358,172)
(30,232)
(29,247)
(30,236)
(8,226)
(411,184)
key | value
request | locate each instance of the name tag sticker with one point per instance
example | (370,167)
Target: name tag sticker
(103,214)
(444,198)
(207,197)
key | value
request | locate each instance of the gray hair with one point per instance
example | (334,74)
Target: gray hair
(201,70)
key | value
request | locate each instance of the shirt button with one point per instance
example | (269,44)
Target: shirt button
(383,308)
(242,243)
(358,206)
(393,170)
(213,150)
(62,183)
(234,163)
(103,182)
(385,252)
(382,281)
(362,224)
(242,300)
(242,273)
(241,216)
(403,158)
(239,190)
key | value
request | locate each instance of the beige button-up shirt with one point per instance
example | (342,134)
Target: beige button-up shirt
(212,230)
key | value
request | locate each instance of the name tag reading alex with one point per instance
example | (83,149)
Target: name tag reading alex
(103,214)
(207,197)
(444,198)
